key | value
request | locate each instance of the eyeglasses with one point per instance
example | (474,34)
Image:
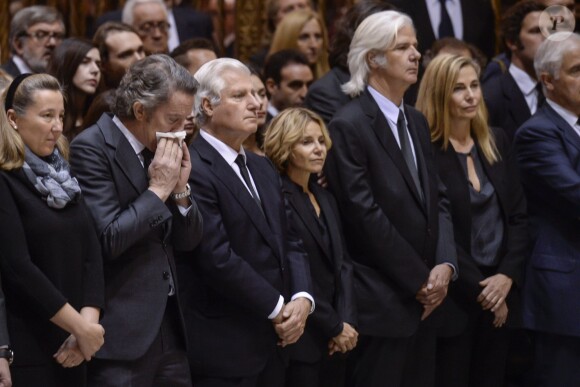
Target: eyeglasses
(149,27)
(45,36)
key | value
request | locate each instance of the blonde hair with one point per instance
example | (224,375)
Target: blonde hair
(434,102)
(11,144)
(285,130)
(288,32)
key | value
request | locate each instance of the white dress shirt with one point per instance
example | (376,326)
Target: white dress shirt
(567,115)
(454,11)
(527,86)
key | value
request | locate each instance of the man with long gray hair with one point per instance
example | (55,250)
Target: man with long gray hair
(134,180)
(396,218)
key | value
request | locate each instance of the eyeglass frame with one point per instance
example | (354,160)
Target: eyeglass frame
(149,27)
(43,36)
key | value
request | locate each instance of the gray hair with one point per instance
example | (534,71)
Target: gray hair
(549,56)
(29,16)
(151,81)
(130,5)
(211,83)
(376,33)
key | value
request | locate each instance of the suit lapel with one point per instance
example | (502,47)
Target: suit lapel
(304,213)
(519,109)
(335,255)
(413,126)
(386,138)
(569,133)
(225,173)
(125,157)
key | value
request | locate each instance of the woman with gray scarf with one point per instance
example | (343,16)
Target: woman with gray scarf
(50,256)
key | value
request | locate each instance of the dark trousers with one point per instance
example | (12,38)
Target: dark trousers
(328,372)
(163,365)
(393,362)
(556,361)
(271,376)
(475,358)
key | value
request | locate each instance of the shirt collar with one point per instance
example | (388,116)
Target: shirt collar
(21,64)
(526,83)
(229,154)
(135,144)
(567,115)
(389,109)
(272,110)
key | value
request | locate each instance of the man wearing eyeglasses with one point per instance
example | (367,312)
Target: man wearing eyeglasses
(149,18)
(34,34)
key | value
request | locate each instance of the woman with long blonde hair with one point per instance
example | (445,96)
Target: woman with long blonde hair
(475,163)
(304,31)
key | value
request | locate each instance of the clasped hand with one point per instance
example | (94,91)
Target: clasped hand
(434,291)
(81,347)
(291,321)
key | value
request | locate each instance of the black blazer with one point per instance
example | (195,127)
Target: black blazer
(49,257)
(11,68)
(478,23)
(394,238)
(504,177)
(245,261)
(325,96)
(505,103)
(332,272)
(138,233)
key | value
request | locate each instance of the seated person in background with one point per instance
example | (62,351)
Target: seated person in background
(120,46)
(150,19)
(296,142)
(514,96)
(305,32)
(34,34)
(193,53)
(76,63)
(51,263)
(288,77)
(476,164)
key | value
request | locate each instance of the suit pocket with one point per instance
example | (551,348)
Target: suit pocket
(553,263)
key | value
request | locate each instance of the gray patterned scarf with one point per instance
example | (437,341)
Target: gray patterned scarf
(51,177)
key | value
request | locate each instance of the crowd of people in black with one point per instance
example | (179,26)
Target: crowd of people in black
(388,204)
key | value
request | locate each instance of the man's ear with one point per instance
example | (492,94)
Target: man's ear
(371,60)
(548,82)
(206,107)
(271,85)
(18,45)
(139,111)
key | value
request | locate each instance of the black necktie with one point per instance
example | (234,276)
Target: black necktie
(147,158)
(445,27)
(246,176)
(408,152)
(541,97)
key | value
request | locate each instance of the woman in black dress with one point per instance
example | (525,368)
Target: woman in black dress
(297,142)
(50,257)
(476,164)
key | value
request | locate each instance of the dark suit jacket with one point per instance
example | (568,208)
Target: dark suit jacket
(394,238)
(325,96)
(478,23)
(189,22)
(505,103)
(332,272)
(138,233)
(504,177)
(11,68)
(244,262)
(4,339)
(548,152)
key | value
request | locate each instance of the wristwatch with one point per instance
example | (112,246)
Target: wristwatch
(181,195)
(8,354)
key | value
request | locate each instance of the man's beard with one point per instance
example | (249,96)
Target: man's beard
(37,65)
